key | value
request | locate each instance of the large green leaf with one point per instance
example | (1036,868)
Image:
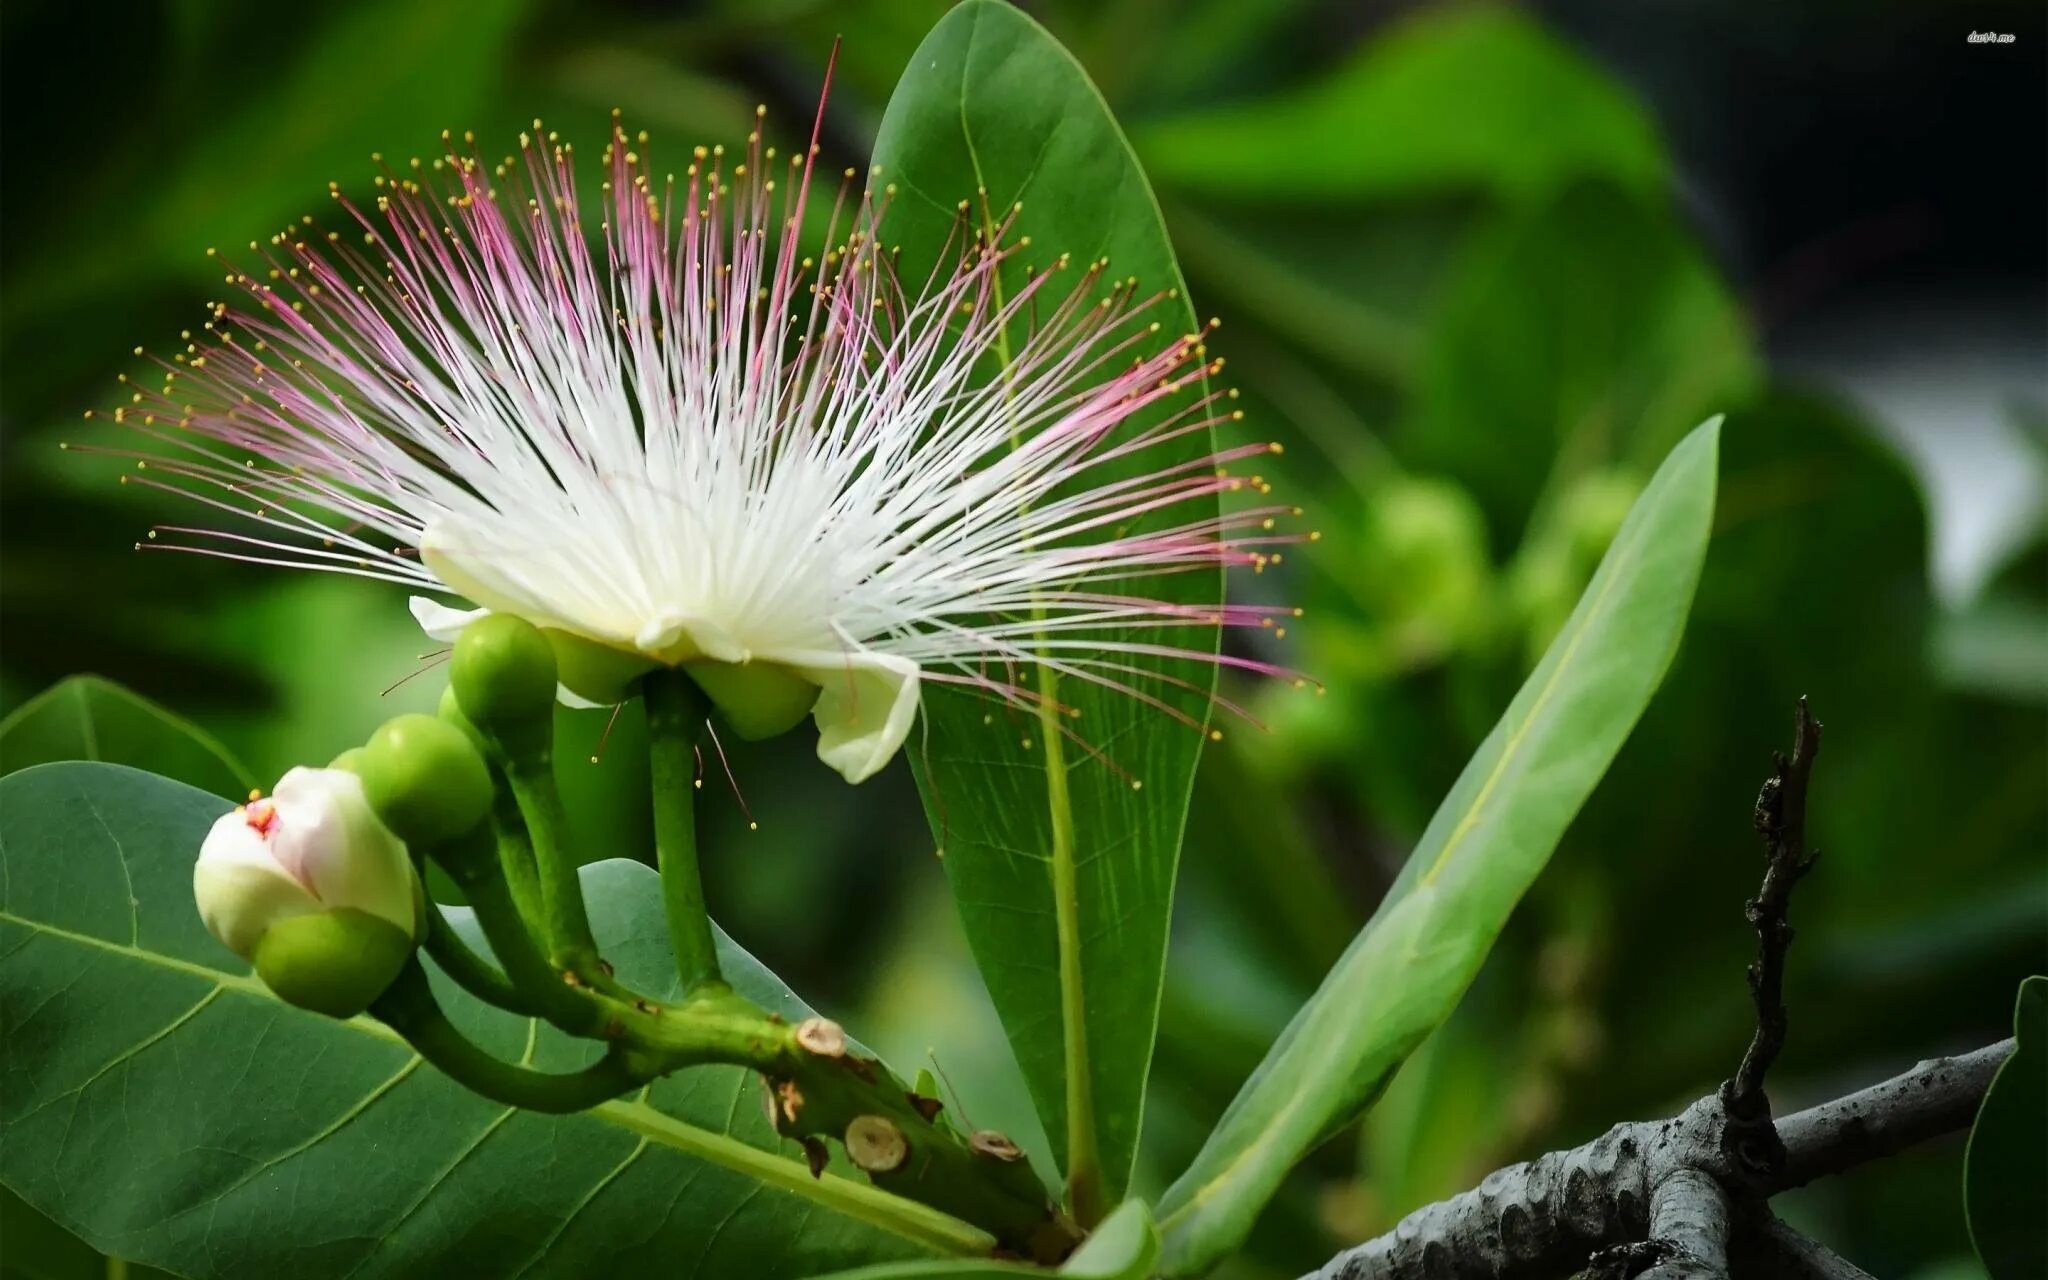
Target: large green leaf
(88,718)
(2005,1170)
(160,1103)
(1477,98)
(1062,868)
(1494,832)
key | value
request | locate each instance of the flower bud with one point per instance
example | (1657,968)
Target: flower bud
(336,962)
(450,709)
(425,780)
(310,886)
(503,674)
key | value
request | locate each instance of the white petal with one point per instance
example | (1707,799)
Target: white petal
(328,833)
(240,888)
(866,703)
(439,621)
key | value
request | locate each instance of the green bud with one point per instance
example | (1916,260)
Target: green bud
(351,760)
(596,672)
(759,699)
(425,779)
(332,962)
(503,674)
(450,709)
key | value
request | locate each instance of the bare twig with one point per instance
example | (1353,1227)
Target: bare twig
(1545,1217)
(1781,820)
(1671,1199)
(1938,1096)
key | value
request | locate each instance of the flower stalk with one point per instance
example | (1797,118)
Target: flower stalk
(820,1087)
(471,971)
(675,710)
(409,1008)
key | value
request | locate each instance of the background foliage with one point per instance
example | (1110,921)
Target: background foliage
(1479,268)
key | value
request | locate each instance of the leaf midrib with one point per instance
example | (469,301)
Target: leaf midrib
(870,1205)
(1083,1164)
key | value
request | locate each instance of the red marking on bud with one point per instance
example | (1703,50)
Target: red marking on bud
(261,816)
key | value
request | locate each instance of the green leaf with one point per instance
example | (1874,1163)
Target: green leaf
(1494,832)
(89,718)
(1063,869)
(1587,333)
(39,1249)
(1124,1247)
(2005,1169)
(162,1105)
(1455,99)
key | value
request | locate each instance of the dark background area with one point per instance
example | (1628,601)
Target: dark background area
(1479,266)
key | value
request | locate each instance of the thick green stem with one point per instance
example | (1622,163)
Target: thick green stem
(409,1008)
(544,988)
(906,1146)
(515,858)
(471,971)
(823,1089)
(566,925)
(675,709)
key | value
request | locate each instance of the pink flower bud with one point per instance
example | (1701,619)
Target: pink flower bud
(312,846)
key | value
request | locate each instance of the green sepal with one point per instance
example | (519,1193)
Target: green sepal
(758,699)
(332,962)
(597,672)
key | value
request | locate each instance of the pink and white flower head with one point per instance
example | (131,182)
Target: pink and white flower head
(312,846)
(695,445)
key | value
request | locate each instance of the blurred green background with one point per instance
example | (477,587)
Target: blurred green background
(1479,266)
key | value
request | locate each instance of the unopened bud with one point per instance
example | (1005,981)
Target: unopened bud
(425,779)
(313,889)
(503,674)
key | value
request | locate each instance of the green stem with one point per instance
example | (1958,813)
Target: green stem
(674,710)
(515,856)
(566,925)
(824,1085)
(471,971)
(544,988)
(409,1008)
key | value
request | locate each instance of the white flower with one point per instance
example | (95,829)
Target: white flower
(313,846)
(700,447)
